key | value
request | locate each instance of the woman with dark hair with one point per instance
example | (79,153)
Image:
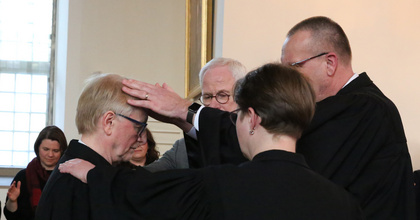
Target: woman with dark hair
(145,153)
(25,190)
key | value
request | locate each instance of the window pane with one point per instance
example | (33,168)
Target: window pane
(6,121)
(6,140)
(31,155)
(22,102)
(25,51)
(38,122)
(7,101)
(21,141)
(40,84)
(22,122)
(5,158)
(32,139)
(41,52)
(20,159)
(8,50)
(23,83)
(7,82)
(39,103)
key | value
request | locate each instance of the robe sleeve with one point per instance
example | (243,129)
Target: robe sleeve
(217,139)
(139,194)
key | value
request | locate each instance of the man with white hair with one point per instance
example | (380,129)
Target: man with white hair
(217,79)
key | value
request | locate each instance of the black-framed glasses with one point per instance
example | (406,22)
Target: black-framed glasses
(142,125)
(220,97)
(233,116)
(299,63)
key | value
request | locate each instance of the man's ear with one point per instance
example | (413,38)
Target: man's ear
(332,63)
(107,121)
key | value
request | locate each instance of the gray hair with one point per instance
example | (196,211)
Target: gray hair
(237,69)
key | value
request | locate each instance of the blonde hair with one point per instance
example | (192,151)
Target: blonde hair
(102,93)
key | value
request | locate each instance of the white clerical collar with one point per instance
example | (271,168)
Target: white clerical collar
(80,141)
(355,75)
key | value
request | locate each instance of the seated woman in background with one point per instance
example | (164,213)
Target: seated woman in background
(25,190)
(144,154)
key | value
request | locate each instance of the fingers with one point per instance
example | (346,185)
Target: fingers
(136,93)
(166,86)
(138,85)
(66,166)
(18,185)
(140,103)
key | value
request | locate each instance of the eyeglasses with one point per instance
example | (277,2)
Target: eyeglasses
(141,125)
(233,115)
(221,98)
(299,63)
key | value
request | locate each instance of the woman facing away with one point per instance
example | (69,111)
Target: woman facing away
(25,190)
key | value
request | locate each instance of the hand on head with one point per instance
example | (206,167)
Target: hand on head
(77,167)
(166,105)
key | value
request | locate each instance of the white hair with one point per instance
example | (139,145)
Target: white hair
(237,69)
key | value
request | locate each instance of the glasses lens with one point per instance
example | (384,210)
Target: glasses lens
(141,129)
(222,98)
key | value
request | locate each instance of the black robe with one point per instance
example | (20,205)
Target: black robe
(275,185)
(65,197)
(356,139)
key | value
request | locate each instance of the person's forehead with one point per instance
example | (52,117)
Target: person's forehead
(297,45)
(218,76)
(139,114)
(50,143)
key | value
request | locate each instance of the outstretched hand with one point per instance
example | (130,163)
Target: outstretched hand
(77,168)
(167,105)
(14,191)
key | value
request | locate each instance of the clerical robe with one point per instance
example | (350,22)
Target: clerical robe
(356,139)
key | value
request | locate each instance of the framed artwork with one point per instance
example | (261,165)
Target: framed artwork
(199,42)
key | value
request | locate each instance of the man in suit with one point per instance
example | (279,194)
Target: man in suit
(217,79)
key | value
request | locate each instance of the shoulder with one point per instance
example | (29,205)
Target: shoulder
(179,143)
(21,175)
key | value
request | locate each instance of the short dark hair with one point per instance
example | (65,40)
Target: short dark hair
(325,31)
(280,95)
(53,133)
(152,153)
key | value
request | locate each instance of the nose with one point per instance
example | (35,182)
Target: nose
(214,103)
(50,153)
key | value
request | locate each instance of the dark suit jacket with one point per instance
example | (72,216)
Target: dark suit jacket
(275,185)
(356,139)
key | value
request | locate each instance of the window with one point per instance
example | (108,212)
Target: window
(25,53)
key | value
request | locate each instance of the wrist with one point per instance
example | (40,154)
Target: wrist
(192,110)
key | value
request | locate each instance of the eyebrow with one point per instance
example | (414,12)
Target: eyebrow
(220,91)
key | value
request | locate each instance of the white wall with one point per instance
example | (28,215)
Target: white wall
(139,39)
(3,194)
(384,35)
